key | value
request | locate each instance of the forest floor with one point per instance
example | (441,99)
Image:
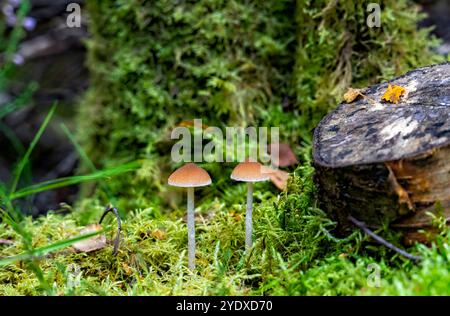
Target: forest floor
(295,253)
(296,250)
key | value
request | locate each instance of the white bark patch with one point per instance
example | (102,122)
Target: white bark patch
(377,106)
(410,87)
(403,127)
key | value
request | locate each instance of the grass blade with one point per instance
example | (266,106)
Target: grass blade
(87,161)
(19,148)
(63,182)
(23,162)
(78,148)
(9,47)
(42,251)
(19,101)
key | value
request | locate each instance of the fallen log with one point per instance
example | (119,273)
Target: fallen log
(389,164)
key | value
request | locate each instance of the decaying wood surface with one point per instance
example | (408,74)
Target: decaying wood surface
(389,163)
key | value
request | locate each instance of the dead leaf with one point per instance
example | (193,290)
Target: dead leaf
(127,268)
(286,156)
(158,234)
(92,244)
(403,196)
(279,178)
(236,215)
(352,94)
(393,94)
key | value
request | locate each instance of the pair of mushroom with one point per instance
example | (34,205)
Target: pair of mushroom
(190,176)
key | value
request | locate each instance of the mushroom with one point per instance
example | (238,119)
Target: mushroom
(249,172)
(190,176)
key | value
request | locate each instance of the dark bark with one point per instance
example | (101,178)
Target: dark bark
(389,163)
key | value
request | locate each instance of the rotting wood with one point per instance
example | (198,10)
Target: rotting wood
(389,163)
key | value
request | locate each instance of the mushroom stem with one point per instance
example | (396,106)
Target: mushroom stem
(248,217)
(191,228)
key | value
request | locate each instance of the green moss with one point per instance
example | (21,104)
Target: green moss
(268,63)
(155,64)
(281,63)
(336,49)
(295,253)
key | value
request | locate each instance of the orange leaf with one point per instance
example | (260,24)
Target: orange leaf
(393,93)
(158,234)
(236,216)
(352,94)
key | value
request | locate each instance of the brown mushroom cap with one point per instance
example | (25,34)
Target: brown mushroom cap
(190,175)
(250,172)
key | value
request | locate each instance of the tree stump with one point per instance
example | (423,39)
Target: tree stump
(387,163)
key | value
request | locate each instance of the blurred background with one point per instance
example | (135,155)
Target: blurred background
(48,65)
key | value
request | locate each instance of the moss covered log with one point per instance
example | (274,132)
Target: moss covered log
(337,49)
(268,63)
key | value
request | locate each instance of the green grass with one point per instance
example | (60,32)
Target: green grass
(29,254)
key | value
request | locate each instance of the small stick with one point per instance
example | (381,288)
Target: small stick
(368,98)
(112,209)
(380,240)
(5,242)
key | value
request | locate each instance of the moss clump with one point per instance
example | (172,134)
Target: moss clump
(157,63)
(269,63)
(337,49)
(295,253)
